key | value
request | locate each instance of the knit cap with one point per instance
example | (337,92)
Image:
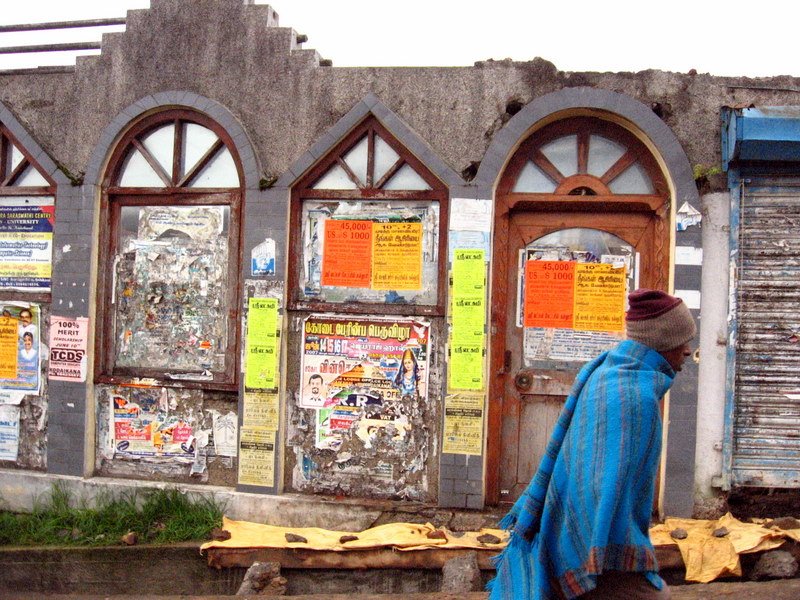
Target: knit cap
(658,320)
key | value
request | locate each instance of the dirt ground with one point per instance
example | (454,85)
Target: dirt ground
(788,589)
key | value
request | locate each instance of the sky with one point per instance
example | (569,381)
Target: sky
(730,37)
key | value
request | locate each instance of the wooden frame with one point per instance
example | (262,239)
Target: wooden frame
(366,191)
(580,193)
(114,197)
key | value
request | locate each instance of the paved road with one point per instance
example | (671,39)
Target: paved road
(788,589)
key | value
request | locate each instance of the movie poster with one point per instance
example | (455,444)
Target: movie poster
(357,371)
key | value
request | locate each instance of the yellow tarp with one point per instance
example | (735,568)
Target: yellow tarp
(400,536)
(707,557)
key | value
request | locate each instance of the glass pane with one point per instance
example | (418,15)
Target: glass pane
(136,172)
(633,180)
(161,144)
(219,172)
(170,309)
(338,239)
(603,153)
(569,342)
(406,178)
(197,140)
(16,157)
(356,159)
(563,153)
(335,179)
(30,177)
(385,157)
(532,179)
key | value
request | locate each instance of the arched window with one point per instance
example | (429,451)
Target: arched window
(368,225)
(584,157)
(171,203)
(27,211)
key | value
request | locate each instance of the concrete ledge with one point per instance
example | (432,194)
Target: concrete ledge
(21,490)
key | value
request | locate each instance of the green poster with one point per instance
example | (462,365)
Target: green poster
(262,344)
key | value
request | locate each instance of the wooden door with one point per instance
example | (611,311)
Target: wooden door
(534,390)
(583,174)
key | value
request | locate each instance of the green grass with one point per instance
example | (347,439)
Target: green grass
(157,517)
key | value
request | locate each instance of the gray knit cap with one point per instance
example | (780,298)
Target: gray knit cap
(658,320)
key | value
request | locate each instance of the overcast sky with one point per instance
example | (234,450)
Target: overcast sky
(730,37)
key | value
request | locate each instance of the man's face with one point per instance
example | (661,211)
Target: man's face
(316,385)
(677,356)
(25,317)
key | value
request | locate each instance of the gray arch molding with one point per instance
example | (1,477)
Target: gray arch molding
(660,135)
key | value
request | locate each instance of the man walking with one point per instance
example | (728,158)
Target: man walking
(580,529)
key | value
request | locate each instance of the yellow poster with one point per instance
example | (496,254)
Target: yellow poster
(9,347)
(469,272)
(397,256)
(599,300)
(466,367)
(463,424)
(257,457)
(262,344)
(261,409)
(468,314)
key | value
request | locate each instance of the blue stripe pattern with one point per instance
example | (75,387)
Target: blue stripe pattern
(587,510)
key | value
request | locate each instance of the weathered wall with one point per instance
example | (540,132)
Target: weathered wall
(285,102)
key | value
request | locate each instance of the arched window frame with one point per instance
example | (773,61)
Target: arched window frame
(11,191)
(600,194)
(370,190)
(175,192)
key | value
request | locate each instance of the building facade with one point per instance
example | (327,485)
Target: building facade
(232,264)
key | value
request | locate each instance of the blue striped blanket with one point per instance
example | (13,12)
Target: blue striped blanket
(588,508)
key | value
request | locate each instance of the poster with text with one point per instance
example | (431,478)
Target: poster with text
(68,340)
(257,457)
(262,343)
(9,432)
(19,351)
(363,362)
(26,243)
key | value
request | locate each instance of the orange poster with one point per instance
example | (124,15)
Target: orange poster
(347,255)
(397,256)
(548,294)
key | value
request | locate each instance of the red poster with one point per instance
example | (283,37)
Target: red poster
(347,254)
(549,293)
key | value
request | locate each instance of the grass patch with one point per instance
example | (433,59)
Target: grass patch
(156,516)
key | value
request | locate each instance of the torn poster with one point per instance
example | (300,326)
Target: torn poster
(9,432)
(19,351)
(262,259)
(171,279)
(68,340)
(225,433)
(142,425)
(26,243)
(687,216)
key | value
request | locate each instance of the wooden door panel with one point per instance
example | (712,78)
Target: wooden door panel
(528,416)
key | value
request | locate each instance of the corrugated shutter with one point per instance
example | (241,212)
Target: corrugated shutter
(766,430)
